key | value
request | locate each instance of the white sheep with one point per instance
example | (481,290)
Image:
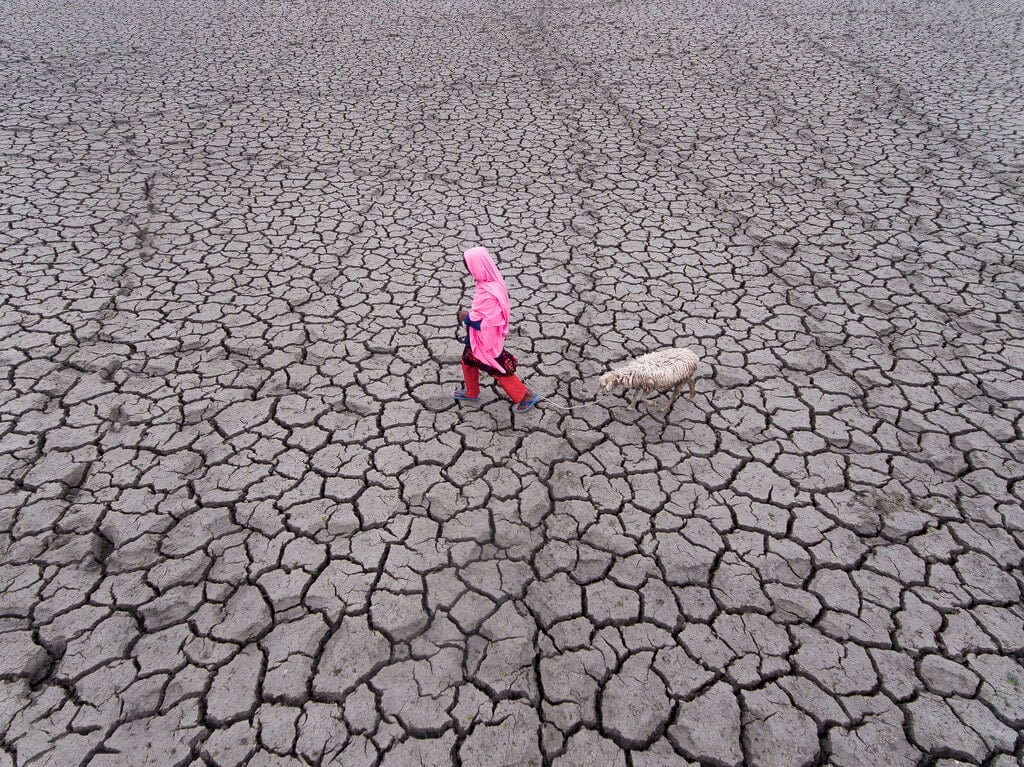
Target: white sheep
(655,372)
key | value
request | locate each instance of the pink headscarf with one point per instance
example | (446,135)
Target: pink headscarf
(490,306)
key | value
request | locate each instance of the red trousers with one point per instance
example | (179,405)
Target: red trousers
(513,387)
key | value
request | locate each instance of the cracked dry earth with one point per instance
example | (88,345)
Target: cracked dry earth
(242,521)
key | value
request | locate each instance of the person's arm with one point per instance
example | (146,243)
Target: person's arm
(464,318)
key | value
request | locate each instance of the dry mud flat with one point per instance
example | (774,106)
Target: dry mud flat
(241,522)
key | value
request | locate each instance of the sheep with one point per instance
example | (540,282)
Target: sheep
(655,372)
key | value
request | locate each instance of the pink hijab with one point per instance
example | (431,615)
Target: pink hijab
(490,306)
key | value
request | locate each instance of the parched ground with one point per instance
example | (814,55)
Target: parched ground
(241,520)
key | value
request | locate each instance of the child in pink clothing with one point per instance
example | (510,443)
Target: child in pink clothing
(487,323)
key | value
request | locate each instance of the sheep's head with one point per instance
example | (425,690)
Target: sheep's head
(610,380)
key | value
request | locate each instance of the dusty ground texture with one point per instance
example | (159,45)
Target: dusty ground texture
(243,523)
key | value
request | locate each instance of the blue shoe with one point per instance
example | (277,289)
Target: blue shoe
(527,403)
(461,395)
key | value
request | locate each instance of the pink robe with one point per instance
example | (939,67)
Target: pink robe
(490,307)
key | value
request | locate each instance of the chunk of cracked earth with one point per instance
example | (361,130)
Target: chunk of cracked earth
(507,666)
(276,725)
(946,677)
(56,467)
(572,678)
(555,599)
(878,739)
(935,728)
(683,673)
(418,693)
(246,616)
(843,667)
(980,719)
(1005,760)
(737,586)
(688,558)
(352,655)
(322,734)
(608,603)
(232,745)
(164,739)
(400,616)
(588,749)
(775,733)
(511,739)
(1002,686)
(290,649)
(107,640)
(660,754)
(242,416)
(361,711)
(427,752)
(695,735)
(20,656)
(232,695)
(634,703)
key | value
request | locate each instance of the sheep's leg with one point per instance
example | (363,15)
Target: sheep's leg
(674,396)
(693,388)
(636,396)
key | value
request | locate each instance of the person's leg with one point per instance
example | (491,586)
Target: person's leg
(472,378)
(514,388)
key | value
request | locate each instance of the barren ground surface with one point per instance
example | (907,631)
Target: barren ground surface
(242,522)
